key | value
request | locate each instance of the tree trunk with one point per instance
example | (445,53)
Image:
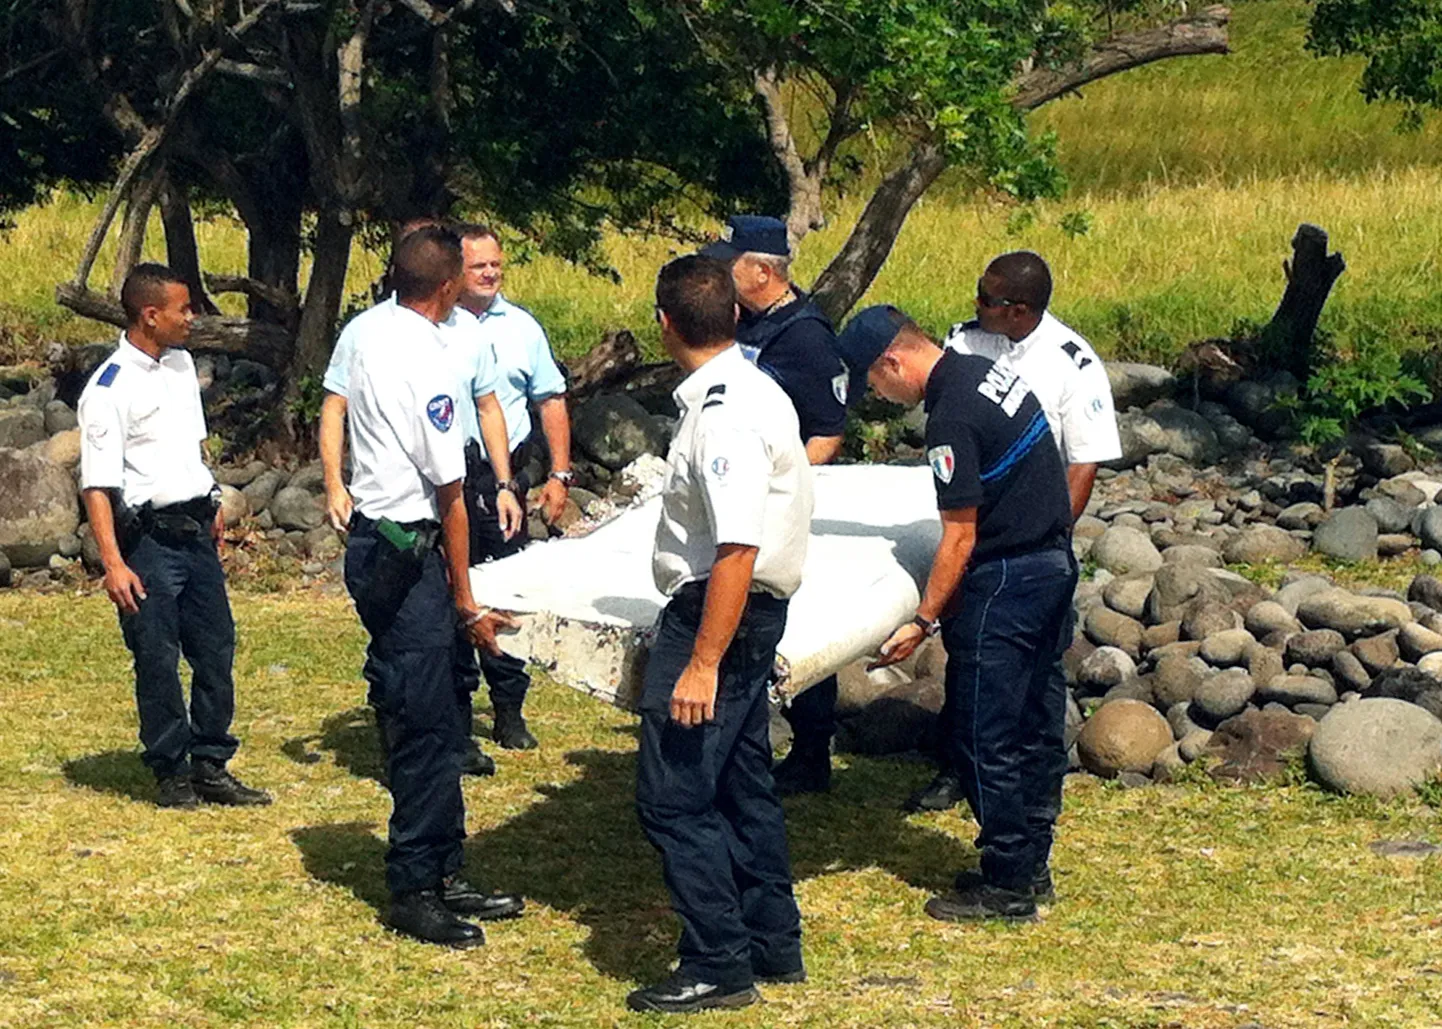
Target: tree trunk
(1310,276)
(273,256)
(181,252)
(132,231)
(852,270)
(259,341)
(323,294)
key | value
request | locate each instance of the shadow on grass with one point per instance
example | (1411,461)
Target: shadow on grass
(350,736)
(115,771)
(348,854)
(580,850)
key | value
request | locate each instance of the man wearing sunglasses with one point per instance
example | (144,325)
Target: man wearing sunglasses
(1014,329)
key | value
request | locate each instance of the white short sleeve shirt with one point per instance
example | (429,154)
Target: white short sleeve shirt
(467,353)
(526,370)
(737,473)
(142,423)
(1067,377)
(404,427)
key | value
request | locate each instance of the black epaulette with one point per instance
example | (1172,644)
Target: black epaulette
(714,396)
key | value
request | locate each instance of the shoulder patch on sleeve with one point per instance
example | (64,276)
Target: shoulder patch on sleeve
(943,462)
(442,412)
(108,376)
(840,387)
(1073,351)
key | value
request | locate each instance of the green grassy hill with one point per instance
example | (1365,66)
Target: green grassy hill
(1193,175)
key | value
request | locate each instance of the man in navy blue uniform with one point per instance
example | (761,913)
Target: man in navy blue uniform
(789,338)
(999,592)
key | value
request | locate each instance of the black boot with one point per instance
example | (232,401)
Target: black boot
(421,915)
(1042,889)
(984,903)
(682,994)
(175,791)
(215,785)
(807,769)
(941,793)
(462,898)
(511,732)
(475,761)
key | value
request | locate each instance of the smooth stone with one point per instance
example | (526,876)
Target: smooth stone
(1349,672)
(1379,746)
(1122,550)
(1205,618)
(1261,544)
(1177,678)
(1128,595)
(1109,628)
(1348,534)
(1297,689)
(1351,615)
(1314,648)
(1223,695)
(1192,555)
(1426,589)
(1157,636)
(1377,653)
(1104,668)
(1268,616)
(1123,736)
(1228,648)
(1390,515)
(1194,744)
(1415,641)
(1180,719)
(1256,746)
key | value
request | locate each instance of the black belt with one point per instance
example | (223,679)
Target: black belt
(189,519)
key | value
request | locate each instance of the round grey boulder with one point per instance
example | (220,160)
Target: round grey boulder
(1348,534)
(1123,736)
(1263,543)
(1128,594)
(1267,617)
(1108,628)
(1428,526)
(1380,746)
(297,509)
(1352,615)
(1426,589)
(1104,668)
(613,429)
(1417,641)
(233,506)
(1391,515)
(1205,618)
(1193,554)
(1291,690)
(1377,653)
(1223,695)
(1226,649)
(261,490)
(1349,672)
(1315,648)
(1122,550)
(1177,678)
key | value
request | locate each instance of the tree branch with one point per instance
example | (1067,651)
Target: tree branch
(281,299)
(252,72)
(1202,33)
(804,207)
(264,341)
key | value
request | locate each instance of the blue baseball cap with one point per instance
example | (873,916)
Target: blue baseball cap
(749,234)
(864,339)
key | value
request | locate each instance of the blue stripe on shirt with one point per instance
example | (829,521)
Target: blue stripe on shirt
(1019,449)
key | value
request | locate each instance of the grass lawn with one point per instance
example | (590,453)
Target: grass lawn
(1190,905)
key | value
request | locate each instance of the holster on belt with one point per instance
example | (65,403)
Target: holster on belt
(178,523)
(400,556)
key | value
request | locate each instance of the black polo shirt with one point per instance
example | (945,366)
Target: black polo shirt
(989,448)
(796,346)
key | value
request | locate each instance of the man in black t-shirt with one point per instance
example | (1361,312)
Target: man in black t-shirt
(999,593)
(785,335)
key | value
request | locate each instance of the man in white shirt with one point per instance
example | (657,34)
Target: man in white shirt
(730,545)
(407,569)
(1014,329)
(526,374)
(152,506)
(480,421)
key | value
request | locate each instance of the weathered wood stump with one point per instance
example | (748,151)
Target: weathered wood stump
(1311,273)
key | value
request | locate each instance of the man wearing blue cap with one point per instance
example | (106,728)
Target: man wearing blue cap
(789,338)
(999,593)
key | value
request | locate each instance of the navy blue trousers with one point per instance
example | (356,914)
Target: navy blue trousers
(1005,708)
(185,612)
(707,803)
(411,668)
(812,717)
(505,674)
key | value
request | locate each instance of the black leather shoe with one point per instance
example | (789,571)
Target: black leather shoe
(1042,890)
(422,916)
(804,770)
(175,791)
(681,994)
(475,761)
(511,732)
(462,898)
(984,903)
(941,793)
(215,785)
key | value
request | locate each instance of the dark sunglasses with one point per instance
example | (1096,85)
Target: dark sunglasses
(985,299)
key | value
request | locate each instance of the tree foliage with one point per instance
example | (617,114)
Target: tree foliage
(1401,40)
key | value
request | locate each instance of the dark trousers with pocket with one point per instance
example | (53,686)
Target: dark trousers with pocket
(812,717)
(411,669)
(706,800)
(1005,710)
(506,675)
(185,612)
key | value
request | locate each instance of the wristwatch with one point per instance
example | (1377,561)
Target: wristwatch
(928,628)
(564,478)
(509,484)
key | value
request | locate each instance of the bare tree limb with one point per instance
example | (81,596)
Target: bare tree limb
(1202,33)
(132,231)
(804,207)
(852,270)
(263,341)
(252,72)
(282,299)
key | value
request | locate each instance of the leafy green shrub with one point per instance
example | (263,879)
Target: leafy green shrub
(1341,390)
